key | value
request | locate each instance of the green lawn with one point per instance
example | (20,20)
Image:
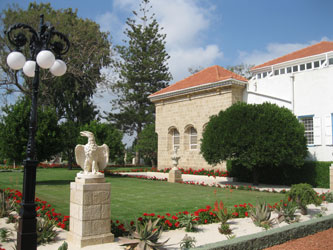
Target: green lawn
(131,197)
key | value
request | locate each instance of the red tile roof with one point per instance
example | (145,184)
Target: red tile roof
(209,75)
(312,50)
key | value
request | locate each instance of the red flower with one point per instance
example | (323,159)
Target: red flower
(132,223)
(177,224)
(174,217)
(140,219)
(246,214)
(235,206)
(117,221)
(167,214)
(205,221)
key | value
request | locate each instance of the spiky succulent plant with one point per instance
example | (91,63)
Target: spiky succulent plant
(261,214)
(145,237)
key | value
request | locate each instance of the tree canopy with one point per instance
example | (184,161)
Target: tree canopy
(14,125)
(143,70)
(255,136)
(88,54)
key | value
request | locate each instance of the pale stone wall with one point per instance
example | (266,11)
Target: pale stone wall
(186,111)
(90,211)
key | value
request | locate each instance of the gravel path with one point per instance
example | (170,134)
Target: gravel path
(319,241)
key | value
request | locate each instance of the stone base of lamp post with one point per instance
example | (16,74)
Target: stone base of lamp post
(90,211)
(175,175)
(331,178)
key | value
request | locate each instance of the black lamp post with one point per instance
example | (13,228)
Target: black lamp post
(41,44)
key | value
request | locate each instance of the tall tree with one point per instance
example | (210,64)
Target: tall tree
(88,54)
(143,70)
(70,94)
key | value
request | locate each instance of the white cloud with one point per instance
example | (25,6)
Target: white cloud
(272,51)
(185,22)
(182,59)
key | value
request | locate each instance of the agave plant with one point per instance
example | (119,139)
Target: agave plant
(188,221)
(261,214)
(187,242)
(45,231)
(145,237)
(5,234)
(286,211)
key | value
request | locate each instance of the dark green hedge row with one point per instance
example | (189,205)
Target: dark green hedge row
(274,236)
(315,173)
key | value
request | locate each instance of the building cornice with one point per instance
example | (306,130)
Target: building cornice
(292,62)
(195,89)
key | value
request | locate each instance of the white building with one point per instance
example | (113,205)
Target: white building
(303,82)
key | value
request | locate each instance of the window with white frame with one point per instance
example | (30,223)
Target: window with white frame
(193,138)
(175,139)
(308,125)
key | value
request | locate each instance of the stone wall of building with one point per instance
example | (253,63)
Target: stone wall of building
(184,112)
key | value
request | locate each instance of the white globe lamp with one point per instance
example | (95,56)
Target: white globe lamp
(29,68)
(15,60)
(45,59)
(58,68)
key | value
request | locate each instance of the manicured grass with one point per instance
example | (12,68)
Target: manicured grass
(130,197)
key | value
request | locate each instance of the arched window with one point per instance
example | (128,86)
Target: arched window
(193,138)
(175,139)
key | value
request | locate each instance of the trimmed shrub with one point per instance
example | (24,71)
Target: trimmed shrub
(315,173)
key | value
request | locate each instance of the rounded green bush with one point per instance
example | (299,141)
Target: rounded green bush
(303,194)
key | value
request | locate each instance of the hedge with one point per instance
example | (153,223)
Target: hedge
(316,173)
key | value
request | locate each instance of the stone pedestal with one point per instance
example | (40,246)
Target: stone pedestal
(331,178)
(175,175)
(90,212)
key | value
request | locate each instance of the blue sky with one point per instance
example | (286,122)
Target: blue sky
(202,33)
(208,32)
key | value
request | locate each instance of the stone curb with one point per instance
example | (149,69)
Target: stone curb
(273,236)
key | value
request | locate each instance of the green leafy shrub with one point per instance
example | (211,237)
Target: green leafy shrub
(188,221)
(187,242)
(261,214)
(145,236)
(303,195)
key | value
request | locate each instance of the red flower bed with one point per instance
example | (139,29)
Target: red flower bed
(42,208)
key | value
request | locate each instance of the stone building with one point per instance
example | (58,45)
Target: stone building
(301,81)
(183,110)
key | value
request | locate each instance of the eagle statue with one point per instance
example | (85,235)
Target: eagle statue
(91,157)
